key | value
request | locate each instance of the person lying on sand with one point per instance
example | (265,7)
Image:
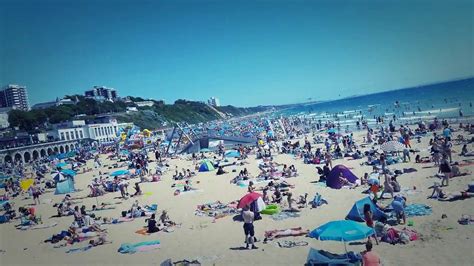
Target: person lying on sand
(272,234)
(108,220)
(101,240)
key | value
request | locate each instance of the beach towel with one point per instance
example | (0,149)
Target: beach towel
(128,248)
(39,226)
(142,231)
(152,208)
(284,215)
(182,192)
(291,244)
(417,210)
(320,184)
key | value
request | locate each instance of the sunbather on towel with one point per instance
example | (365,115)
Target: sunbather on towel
(101,240)
(152,226)
(269,235)
(457,196)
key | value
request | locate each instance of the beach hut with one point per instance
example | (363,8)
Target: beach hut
(333,180)
(357,211)
(206,166)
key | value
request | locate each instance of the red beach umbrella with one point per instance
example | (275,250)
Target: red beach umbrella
(247,199)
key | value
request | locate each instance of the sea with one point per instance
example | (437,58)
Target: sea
(453,99)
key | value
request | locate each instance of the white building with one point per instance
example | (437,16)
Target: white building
(104,131)
(131,109)
(214,102)
(145,103)
(14,96)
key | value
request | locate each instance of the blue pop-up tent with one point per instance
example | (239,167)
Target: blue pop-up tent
(357,211)
(64,187)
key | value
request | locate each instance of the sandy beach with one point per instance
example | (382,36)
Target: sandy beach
(220,242)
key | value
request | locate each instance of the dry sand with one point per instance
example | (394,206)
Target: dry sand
(218,243)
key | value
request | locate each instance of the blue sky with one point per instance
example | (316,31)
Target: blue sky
(246,53)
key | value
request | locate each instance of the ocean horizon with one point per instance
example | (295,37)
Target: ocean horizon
(443,100)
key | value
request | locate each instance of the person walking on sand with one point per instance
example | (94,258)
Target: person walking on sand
(249,230)
(328,159)
(445,169)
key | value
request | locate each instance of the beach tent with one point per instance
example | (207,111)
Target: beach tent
(333,181)
(64,187)
(206,166)
(232,154)
(357,211)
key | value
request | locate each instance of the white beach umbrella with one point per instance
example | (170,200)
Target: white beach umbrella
(392,146)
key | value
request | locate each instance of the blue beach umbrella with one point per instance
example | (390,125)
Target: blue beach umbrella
(342,230)
(68,172)
(62,164)
(331,131)
(120,172)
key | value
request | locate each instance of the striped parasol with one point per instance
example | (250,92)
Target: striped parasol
(392,146)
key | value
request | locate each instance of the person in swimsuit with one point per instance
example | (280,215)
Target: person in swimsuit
(249,230)
(369,220)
